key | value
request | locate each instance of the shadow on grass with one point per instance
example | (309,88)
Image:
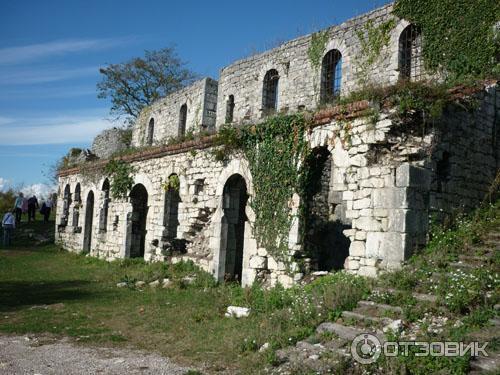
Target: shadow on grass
(15,295)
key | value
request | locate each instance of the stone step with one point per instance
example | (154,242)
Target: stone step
(475,258)
(490,364)
(418,296)
(493,244)
(463,265)
(493,236)
(364,318)
(381,306)
(346,332)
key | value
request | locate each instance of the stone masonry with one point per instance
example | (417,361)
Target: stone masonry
(381,181)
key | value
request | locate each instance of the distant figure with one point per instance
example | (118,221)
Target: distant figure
(18,207)
(46,208)
(32,207)
(8,225)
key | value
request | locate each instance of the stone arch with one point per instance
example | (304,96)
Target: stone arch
(325,222)
(270,91)
(240,168)
(150,132)
(137,221)
(183,111)
(171,211)
(234,202)
(410,65)
(66,204)
(229,109)
(143,179)
(331,75)
(76,208)
(394,48)
(89,222)
(103,214)
(78,192)
(340,46)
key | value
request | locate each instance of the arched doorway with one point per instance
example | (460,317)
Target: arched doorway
(233,226)
(89,216)
(139,200)
(325,221)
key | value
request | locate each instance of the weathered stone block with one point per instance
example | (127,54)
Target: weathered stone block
(357,248)
(258,262)
(367,223)
(411,176)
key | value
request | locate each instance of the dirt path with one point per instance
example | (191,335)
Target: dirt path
(45,355)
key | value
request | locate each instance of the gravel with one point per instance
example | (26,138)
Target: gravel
(45,355)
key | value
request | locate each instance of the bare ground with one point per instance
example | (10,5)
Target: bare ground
(46,355)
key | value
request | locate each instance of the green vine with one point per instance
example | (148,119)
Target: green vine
(317,48)
(372,40)
(172,183)
(275,151)
(121,177)
(459,35)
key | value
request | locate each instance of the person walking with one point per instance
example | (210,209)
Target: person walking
(8,225)
(48,207)
(18,207)
(32,207)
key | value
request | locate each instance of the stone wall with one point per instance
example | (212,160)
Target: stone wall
(378,181)
(299,82)
(381,178)
(201,101)
(108,142)
(466,154)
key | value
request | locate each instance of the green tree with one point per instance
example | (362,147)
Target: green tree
(7,199)
(135,84)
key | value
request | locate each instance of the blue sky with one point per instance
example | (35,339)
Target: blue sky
(50,53)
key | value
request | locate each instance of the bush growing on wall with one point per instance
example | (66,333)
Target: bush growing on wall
(460,36)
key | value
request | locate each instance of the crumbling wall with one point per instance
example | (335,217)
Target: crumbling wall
(108,142)
(299,81)
(465,159)
(200,99)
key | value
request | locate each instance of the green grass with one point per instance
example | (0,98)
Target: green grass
(47,290)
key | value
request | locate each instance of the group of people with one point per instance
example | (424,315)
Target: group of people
(23,205)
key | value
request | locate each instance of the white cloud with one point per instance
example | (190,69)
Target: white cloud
(5,120)
(76,127)
(41,191)
(69,91)
(37,76)
(17,54)
(4,184)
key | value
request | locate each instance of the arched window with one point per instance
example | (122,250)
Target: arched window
(78,193)
(410,53)
(182,120)
(270,92)
(150,133)
(331,75)
(171,210)
(230,109)
(76,208)
(66,204)
(103,217)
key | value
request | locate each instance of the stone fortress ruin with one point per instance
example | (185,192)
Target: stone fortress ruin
(379,178)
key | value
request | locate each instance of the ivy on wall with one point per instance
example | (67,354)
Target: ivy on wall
(121,177)
(460,36)
(275,151)
(372,40)
(172,182)
(317,48)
